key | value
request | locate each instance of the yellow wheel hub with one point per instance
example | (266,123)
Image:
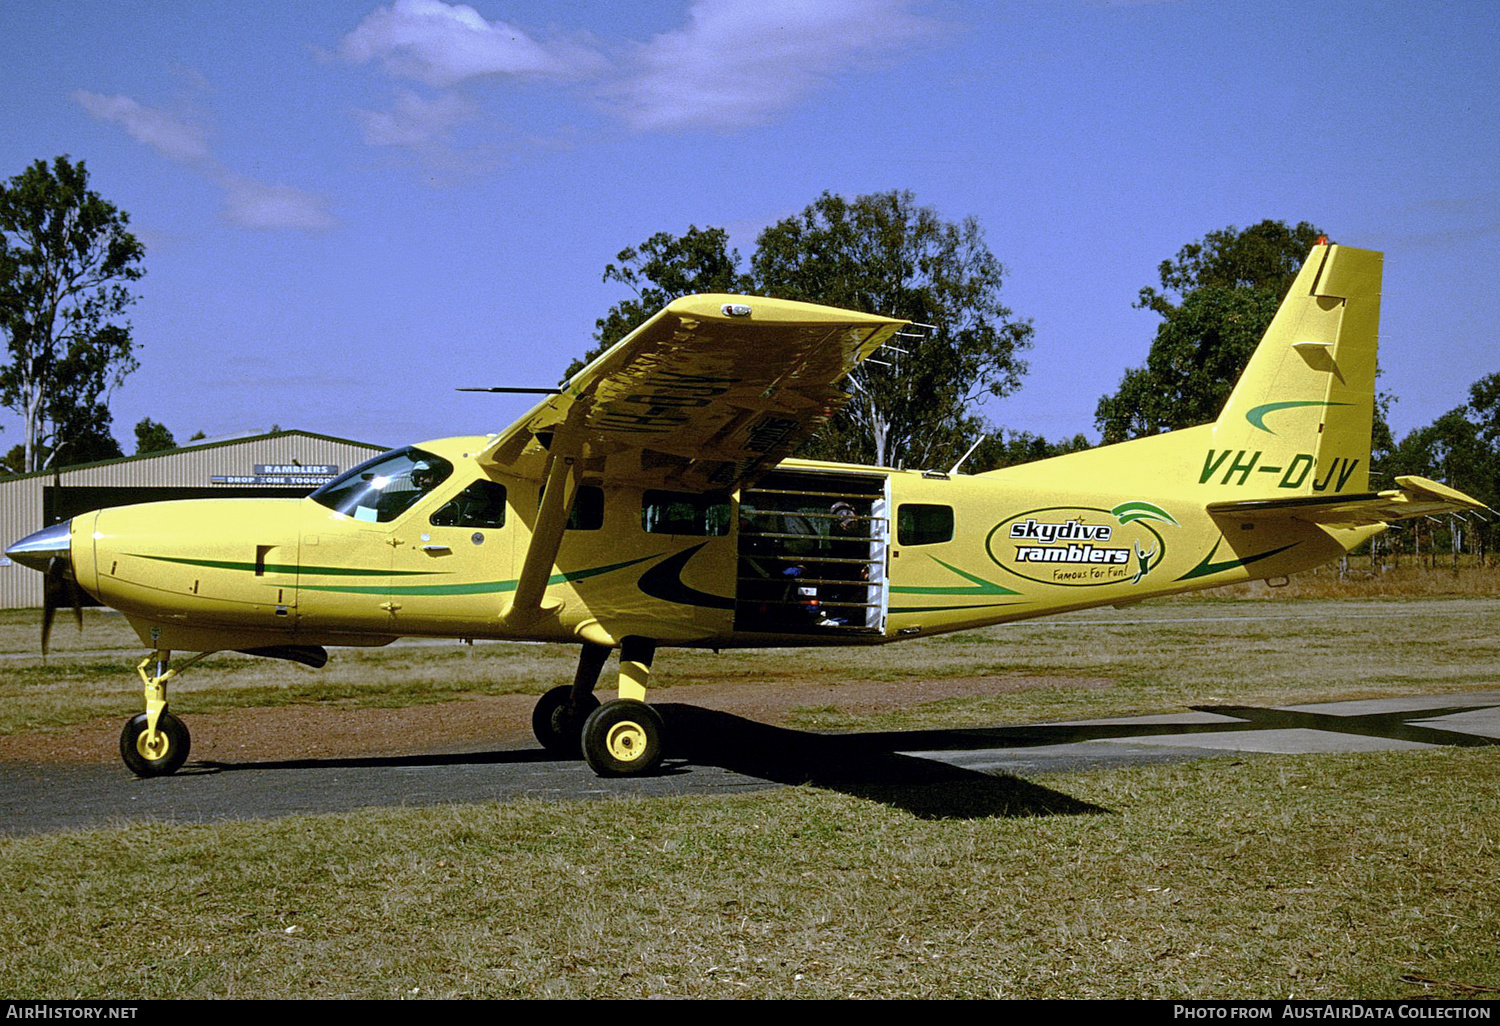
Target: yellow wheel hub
(625,741)
(152,750)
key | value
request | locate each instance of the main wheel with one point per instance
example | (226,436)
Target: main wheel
(622,738)
(558,729)
(161,759)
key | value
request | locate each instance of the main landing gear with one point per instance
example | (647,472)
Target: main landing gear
(621,737)
(155,743)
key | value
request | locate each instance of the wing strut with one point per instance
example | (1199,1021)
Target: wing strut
(526,605)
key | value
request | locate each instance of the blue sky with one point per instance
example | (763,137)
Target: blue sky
(352,208)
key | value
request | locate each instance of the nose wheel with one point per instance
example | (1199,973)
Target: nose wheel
(154,754)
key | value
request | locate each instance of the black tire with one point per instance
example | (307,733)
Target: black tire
(560,731)
(144,763)
(622,738)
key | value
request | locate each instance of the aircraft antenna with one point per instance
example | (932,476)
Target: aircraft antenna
(967,454)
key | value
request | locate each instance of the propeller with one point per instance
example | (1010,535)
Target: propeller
(59,589)
(49,551)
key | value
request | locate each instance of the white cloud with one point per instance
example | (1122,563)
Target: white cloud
(248,202)
(738,62)
(733,63)
(254,204)
(413,121)
(171,138)
(443,44)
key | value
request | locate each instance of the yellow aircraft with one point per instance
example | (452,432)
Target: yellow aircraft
(651,502)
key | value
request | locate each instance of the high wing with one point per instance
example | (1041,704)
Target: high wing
(1412,497)
(704,396)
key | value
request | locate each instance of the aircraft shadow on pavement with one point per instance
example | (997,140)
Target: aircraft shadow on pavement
(871,764)
(863,765)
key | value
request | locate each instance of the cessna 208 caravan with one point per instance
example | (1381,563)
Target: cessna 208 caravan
(651,502)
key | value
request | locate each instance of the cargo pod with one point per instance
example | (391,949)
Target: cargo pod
(812,553)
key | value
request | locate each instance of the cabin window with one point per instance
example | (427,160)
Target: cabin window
(482,504)
(919,523)
(705,515)
(381,489)
(588,508)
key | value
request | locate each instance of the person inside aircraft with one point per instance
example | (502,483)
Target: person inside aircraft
(848,542)
(482,504)
(383,488)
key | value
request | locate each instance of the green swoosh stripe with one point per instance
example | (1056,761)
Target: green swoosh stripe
(1257,416)
(977,586)
(1126,512)
(1208,566)
(285,568)
(946,609)
(473,588)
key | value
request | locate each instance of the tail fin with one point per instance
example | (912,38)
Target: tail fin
(1298,422)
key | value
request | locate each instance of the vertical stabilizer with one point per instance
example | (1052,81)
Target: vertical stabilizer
(1298,421)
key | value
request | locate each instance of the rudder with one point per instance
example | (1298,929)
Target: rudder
(1298,421)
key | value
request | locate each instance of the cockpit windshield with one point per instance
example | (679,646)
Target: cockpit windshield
(381,489)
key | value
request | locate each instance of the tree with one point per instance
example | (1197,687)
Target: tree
(663,268)
(1484,408)
(66,257)
(1461,449)
(884,254)
(86,439)
(1216,300)
(152,437)
(1484,401)
(1009,448)
(877,254)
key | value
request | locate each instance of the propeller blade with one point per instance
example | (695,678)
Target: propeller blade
(58,589)
(76,602)
(48,611)
(50,588)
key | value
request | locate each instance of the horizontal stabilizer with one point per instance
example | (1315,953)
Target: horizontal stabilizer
(1412,497)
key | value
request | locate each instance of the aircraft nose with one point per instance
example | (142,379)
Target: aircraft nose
(37,550)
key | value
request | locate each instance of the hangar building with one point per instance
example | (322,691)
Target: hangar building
(278,463)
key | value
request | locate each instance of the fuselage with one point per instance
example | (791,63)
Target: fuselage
(813,554)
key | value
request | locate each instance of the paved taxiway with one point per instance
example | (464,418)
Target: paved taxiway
(930,772)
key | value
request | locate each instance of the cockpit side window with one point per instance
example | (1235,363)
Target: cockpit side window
(482,504)
(381,489)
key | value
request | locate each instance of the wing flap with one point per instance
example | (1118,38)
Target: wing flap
(1412,497)
(706,395)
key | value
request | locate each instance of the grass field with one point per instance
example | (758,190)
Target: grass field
(1374,876)
(1156,657)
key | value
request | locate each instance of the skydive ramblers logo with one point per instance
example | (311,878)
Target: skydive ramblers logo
(1080,546)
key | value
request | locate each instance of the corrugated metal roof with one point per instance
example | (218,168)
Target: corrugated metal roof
(186,467)
(206,444)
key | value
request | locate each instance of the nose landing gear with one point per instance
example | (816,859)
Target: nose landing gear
(155,743)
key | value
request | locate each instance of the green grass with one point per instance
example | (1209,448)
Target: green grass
(1307,877)
(1153,657)
(1373,876)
